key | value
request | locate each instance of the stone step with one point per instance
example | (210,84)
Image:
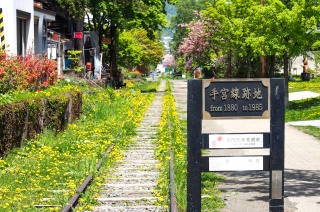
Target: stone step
(132,180)
(136,168)
(138,149)
(126,193)
(142,151)
(145,131)
(142,156)
(146,208)
(142,162)
(144,186)
(143,143)
(147,127)
(141,174)
(143,148)
(127,201)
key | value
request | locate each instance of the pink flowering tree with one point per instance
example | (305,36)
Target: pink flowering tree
(169,61)
(198,47)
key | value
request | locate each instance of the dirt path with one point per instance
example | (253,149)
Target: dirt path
(249,191)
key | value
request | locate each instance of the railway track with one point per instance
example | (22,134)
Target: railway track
(130,186)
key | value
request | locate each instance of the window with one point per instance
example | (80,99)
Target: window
(21,37)
(23,20)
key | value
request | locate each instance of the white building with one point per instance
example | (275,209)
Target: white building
(24,26)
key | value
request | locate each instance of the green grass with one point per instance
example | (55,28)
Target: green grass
(211,201)
(29,174)
(52,162)
(298,85)
(306,109)
(173,131)
(147,86)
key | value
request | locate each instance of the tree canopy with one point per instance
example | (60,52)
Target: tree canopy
(198,46)
(184,15)
(251,28)
(111,17)
(137,49)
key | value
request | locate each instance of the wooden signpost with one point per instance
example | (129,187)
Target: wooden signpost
(235,125)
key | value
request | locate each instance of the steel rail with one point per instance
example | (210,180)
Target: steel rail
(74,200)
(173,201)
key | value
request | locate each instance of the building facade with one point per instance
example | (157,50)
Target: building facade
(25,27)
(18,26)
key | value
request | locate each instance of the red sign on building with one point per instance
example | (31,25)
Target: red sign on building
(78,35)
(106,40)
(55,37)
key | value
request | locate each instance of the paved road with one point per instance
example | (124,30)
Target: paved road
(249,192)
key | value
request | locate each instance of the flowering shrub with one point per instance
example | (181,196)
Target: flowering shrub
(198,46)
(30,73)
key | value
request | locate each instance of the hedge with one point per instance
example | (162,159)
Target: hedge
(25,119)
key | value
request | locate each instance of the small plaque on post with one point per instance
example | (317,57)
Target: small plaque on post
(235,163)
(220,141)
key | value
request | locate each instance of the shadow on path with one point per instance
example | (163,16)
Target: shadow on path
(301,182)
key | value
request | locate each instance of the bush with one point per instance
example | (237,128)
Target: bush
(25,119)
(12,125)
(134,75)
(30,73)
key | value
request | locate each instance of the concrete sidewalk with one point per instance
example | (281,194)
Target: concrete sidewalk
(302,95)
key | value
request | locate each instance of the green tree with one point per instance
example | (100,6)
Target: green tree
(278,29)
(231,38)
(112,17)
(289,29)
(76,10)
(137,49)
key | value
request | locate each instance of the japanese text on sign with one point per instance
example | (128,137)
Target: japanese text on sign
(235,141)
(236,98)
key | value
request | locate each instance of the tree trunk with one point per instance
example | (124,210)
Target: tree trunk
(262,66)
(286,77)
(229,71)
(262,58)
(113,49)
(272,65)
(248,62)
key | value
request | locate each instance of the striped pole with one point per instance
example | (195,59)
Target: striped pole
(3,46)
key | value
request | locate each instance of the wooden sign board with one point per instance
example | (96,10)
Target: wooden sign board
(227,132)
(236,98)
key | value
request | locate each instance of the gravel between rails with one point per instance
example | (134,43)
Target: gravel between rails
(129,188)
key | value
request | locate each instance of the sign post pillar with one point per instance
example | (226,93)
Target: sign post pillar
(194,146)
(236,125)
(277,145)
